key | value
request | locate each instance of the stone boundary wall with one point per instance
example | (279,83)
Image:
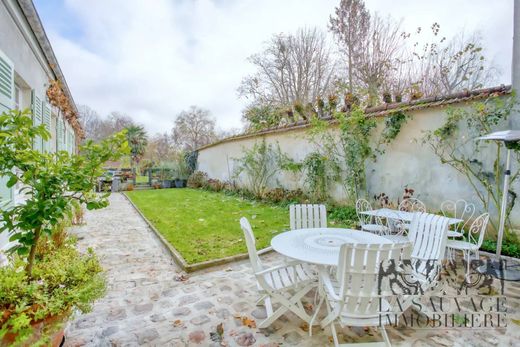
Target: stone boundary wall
(406,163)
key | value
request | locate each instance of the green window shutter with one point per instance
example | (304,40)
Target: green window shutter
(61,135)
(70,141)
(58,134)
(6,104)
(37,118)
(6,83)
(47,121)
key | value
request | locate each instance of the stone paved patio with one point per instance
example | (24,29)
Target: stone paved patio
(145,305)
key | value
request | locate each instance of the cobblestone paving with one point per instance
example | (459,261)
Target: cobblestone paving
(145,305)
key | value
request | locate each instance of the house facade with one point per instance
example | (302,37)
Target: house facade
(27,66)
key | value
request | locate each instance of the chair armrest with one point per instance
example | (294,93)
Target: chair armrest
(327,284)
(278,267)
(271,269)
(264,250)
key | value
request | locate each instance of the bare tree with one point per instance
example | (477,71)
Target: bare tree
(97,128)
(90,122)
(160,148)
(350,26)
(380,54)
(193,128)
(294,68)
(458,65)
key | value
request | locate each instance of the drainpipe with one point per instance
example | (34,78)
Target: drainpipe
(514,120)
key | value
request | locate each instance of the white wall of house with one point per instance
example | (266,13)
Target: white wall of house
(19,44)
(406,163)
(24,77)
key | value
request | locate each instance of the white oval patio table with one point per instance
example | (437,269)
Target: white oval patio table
(320,245)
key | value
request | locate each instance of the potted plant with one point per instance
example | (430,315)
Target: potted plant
(387,97)
(38,274)
(182,172)
(165,175)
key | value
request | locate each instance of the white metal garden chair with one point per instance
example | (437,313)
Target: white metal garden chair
(368,223)
(397,229)
(411,205)
(284,284)
(460,209)
(475,237)
(302,216)
(354,295)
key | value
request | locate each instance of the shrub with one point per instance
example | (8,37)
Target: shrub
(78,213)
(509,248)
(275,195)
(344,215)
(198,179)
(63,280)
(129,187)
(215,185)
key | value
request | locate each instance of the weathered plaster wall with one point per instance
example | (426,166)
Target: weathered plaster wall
(406,162)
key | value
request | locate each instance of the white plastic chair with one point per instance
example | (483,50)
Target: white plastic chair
(369,223)
(429,235)
(460,209)
(355,296)
(285,284)
(476,233)
(307,216)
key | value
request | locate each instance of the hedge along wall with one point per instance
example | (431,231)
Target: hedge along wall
(405,163)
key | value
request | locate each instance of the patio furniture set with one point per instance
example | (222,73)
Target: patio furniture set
(344,264)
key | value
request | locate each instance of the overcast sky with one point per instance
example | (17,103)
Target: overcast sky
(152,59)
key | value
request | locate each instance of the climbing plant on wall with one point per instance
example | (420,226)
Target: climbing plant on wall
(455,145)
(393,125)
(320,172)
(260,163)
(349,144)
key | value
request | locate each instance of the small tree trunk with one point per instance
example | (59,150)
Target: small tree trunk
(32,253)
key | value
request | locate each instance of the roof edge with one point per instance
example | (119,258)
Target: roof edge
(383,110)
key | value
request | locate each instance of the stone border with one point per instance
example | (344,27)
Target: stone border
(176,255)
(504,257)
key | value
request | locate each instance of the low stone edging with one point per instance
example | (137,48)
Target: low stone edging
(177,257)
(504,257)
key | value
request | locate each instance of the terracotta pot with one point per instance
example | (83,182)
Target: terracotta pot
(52,326)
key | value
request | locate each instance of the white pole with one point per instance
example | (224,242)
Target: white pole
(514,119)
(503,209)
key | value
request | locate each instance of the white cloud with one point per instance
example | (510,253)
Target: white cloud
(151,59)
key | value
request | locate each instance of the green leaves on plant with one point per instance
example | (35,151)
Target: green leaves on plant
(51,181)
(12,181)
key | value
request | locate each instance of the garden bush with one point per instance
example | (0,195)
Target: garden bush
(510,246)
(215,185)
(198,179)
(344,215)
(62,280)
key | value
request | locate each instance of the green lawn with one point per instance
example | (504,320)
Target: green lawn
(141,179)
(204,225)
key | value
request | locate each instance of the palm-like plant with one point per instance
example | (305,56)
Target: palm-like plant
(137,140)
